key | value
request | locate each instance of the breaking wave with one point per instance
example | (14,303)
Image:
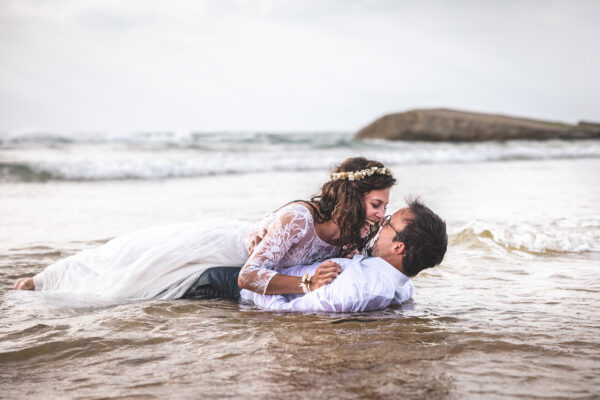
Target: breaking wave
(574,235)
(30,156)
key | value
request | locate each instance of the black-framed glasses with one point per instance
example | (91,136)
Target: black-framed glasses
(387,221)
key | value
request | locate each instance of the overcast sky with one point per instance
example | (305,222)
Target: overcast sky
(300,65)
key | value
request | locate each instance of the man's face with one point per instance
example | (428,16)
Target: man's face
(385,242)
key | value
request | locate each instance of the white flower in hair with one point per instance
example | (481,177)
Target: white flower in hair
(358,175)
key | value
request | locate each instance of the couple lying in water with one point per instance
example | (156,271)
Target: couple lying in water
(277,264)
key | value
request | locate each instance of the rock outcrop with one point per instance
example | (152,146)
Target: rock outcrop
(460,126)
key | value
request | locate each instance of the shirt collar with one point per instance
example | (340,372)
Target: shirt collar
(388,270)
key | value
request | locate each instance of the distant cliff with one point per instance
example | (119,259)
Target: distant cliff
(460,126)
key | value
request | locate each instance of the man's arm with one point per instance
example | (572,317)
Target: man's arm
(321,273)
(358,288)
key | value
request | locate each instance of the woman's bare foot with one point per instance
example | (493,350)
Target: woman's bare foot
(24,284)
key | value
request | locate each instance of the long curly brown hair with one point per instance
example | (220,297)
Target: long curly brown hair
(342,201)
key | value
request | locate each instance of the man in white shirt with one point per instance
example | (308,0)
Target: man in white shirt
(412,239)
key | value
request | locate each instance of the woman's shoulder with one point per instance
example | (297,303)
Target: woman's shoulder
(295,213)
(297,210)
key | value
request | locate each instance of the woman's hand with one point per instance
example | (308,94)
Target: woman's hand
(256,239)
(325,274)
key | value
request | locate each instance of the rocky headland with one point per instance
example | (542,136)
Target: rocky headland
(460,126)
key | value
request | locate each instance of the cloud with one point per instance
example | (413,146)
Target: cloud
(290,65)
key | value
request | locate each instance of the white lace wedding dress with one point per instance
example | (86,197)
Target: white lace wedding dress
(163,262)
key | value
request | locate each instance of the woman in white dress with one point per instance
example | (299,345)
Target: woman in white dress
(163,262)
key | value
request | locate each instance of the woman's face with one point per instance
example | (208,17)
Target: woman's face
(376,202)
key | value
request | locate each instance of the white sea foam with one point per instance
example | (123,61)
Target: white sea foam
(159,155)
(575,235)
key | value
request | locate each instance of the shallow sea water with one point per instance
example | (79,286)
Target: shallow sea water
(512,313)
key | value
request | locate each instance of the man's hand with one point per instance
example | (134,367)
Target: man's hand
(256,239)
(325,274)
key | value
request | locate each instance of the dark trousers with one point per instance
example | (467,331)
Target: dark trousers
(214,283)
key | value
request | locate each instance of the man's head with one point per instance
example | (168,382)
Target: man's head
(412,239)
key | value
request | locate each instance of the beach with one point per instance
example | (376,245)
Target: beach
(513,311)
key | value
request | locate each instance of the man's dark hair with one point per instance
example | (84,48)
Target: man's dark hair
(424,237)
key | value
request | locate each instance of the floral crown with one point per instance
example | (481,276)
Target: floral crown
(358,175)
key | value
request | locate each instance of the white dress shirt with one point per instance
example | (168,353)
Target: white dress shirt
(364,284)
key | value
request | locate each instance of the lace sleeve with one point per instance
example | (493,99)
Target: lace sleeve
(288,227)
